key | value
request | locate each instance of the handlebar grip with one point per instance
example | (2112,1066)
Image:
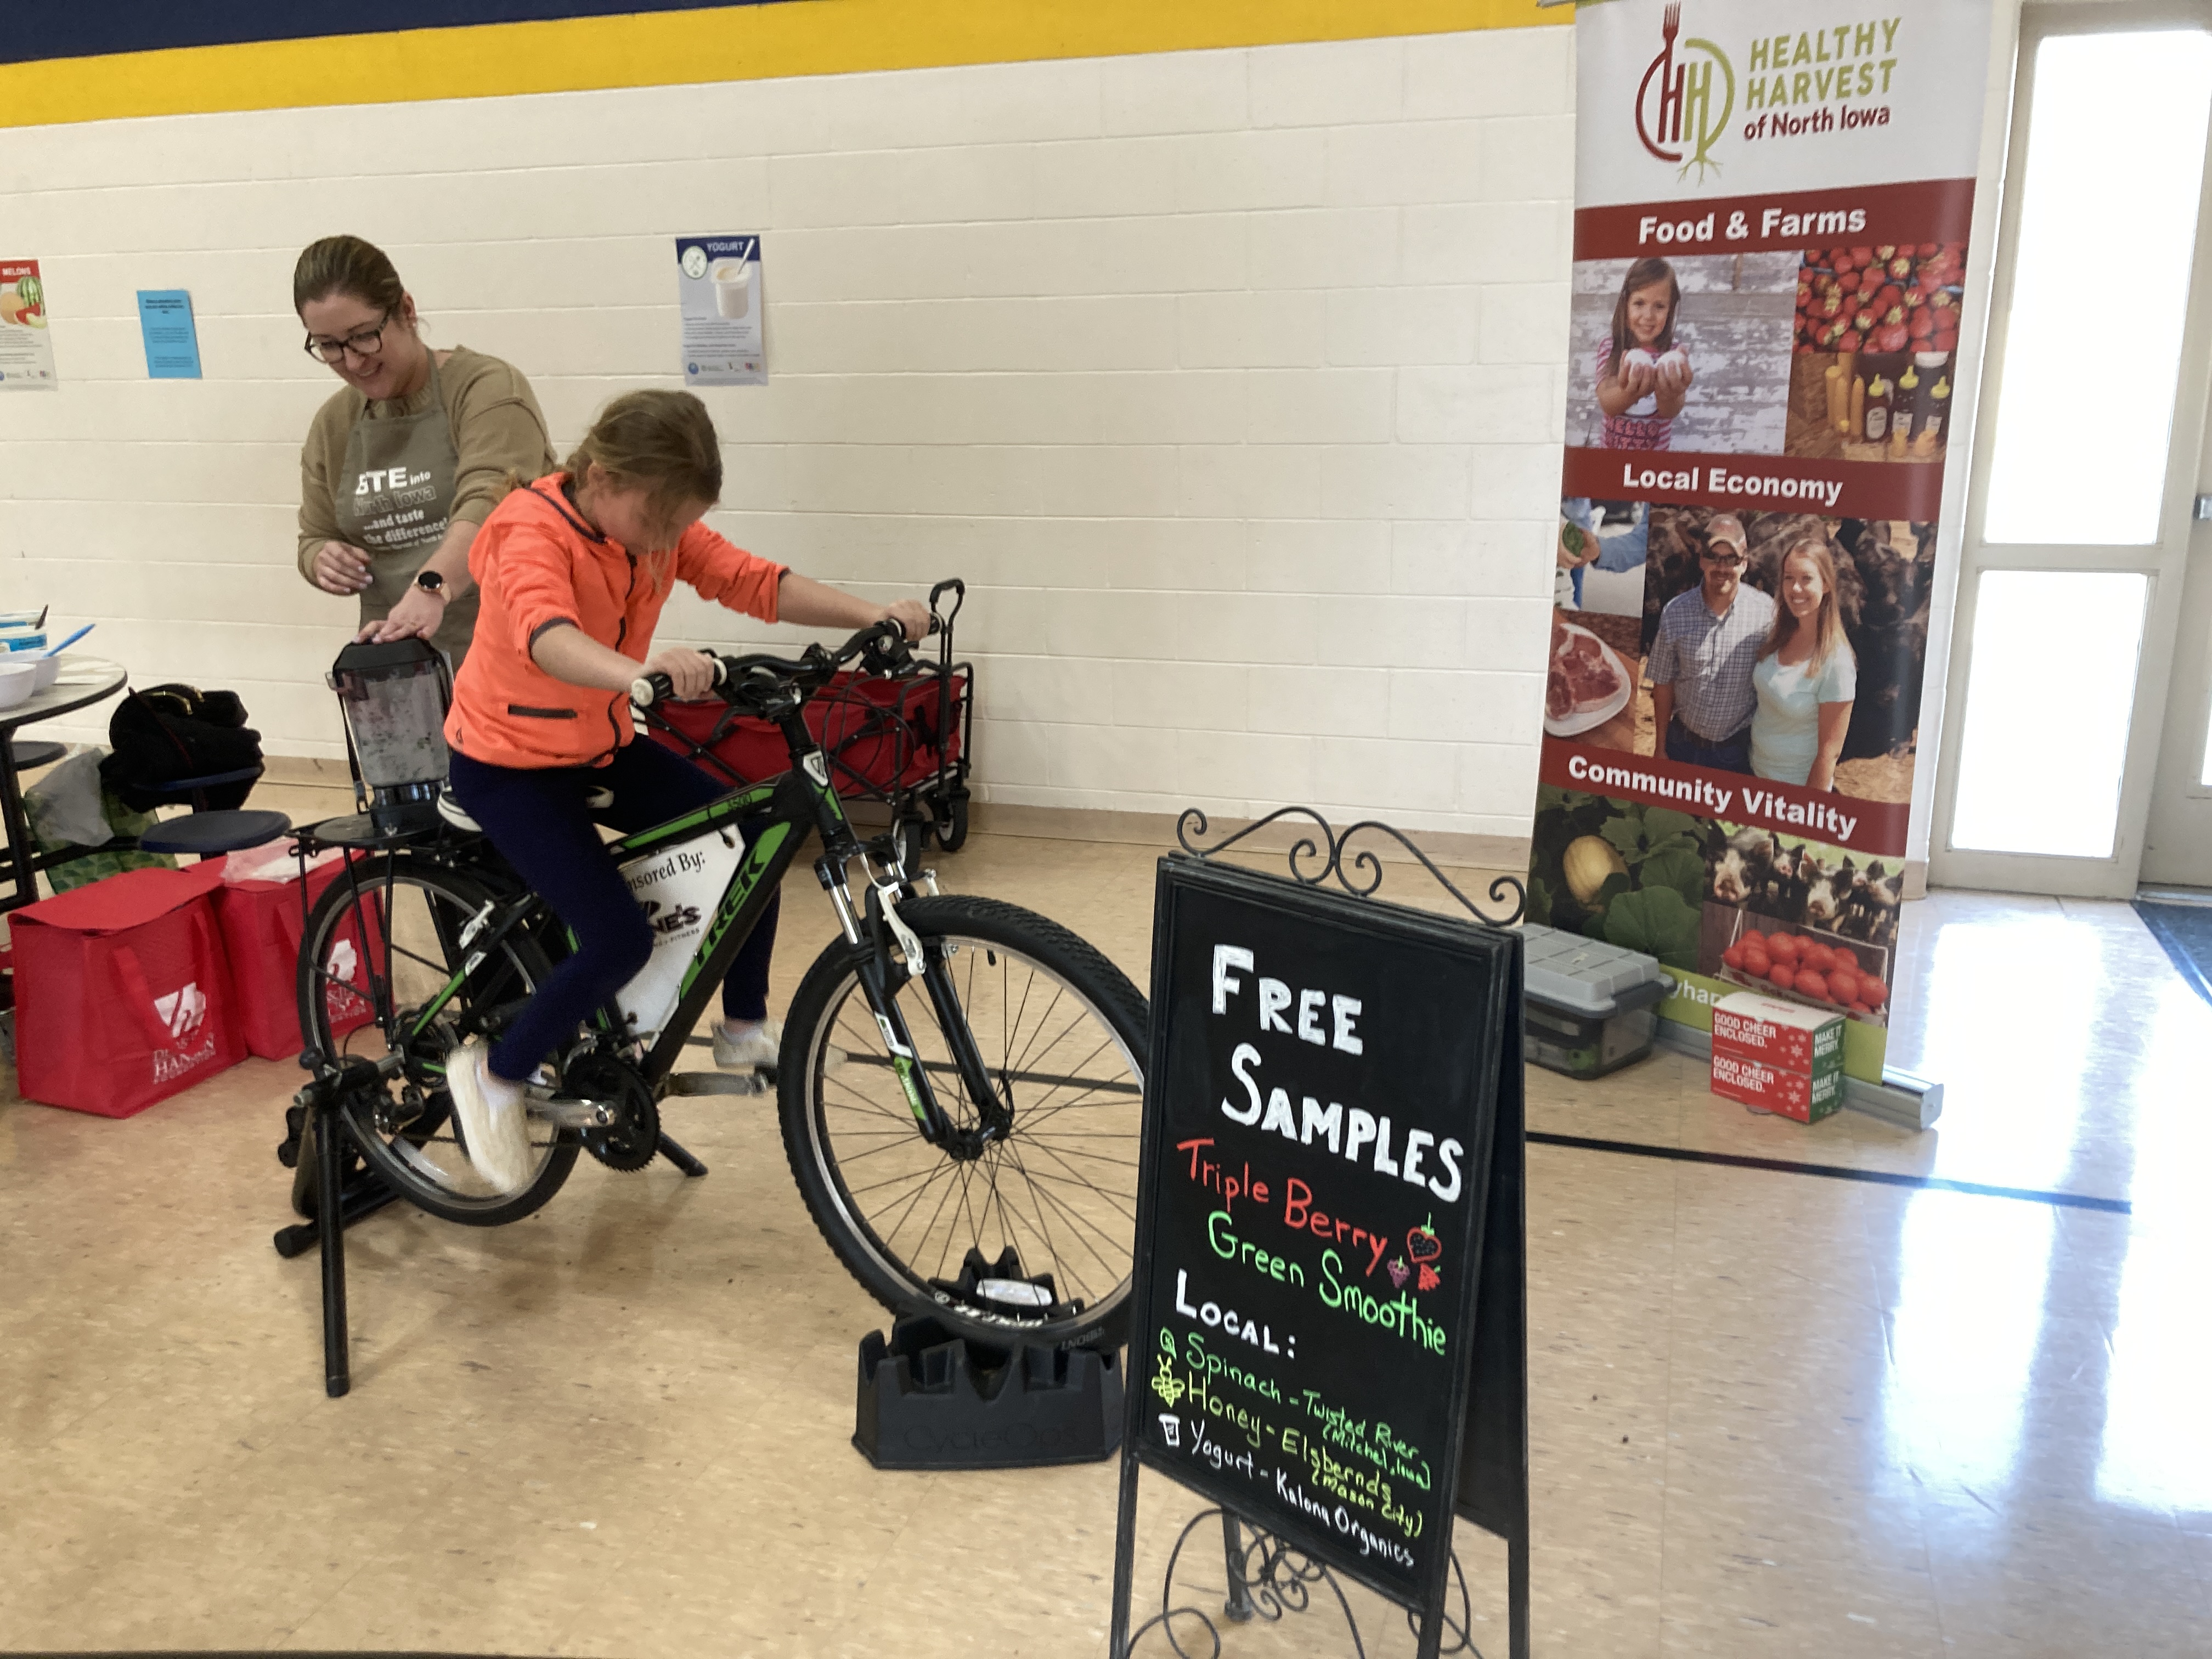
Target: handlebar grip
(649,688)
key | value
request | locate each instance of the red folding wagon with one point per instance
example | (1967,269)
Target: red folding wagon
(904,743)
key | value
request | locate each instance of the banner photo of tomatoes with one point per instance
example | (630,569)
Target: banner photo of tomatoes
(1772,210)
(26,349)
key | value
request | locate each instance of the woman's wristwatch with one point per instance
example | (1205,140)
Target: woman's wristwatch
(432,583)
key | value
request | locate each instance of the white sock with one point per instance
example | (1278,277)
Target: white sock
(500,1092)
(739,1030)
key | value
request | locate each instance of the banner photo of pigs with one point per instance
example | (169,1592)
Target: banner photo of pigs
(1770,241)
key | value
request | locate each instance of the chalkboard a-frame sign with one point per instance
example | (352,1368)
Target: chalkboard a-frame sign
(1328,1334)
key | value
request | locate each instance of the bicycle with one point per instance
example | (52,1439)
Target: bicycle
(958,1078)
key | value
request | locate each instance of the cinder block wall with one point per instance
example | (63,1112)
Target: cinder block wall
(1232,382)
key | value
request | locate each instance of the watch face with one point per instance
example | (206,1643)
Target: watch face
(430,579)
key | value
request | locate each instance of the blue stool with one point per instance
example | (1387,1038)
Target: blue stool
(207,834)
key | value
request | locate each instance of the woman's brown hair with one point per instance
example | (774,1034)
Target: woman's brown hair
(1827,624)
(661,441)
(347,264)
(1643,274)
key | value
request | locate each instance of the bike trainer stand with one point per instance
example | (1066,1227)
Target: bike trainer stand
(331,1195)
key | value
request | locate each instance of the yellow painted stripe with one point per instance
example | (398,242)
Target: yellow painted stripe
(731,43)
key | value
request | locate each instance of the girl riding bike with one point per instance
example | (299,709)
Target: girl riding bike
(574,570)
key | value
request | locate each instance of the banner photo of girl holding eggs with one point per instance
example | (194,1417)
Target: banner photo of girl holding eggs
(1772,211)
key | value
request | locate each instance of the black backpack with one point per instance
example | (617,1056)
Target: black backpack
(167,733)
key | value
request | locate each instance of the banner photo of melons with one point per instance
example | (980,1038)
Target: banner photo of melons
(1772,209)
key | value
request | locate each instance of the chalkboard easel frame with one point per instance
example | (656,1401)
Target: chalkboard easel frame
(1489,1406)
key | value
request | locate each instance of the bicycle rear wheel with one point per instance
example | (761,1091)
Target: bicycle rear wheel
(1061,1031)
(376,949)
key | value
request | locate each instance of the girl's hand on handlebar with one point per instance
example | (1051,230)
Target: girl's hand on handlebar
(691,672)
(911,615)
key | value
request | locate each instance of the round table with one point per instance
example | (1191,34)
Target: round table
(83,681)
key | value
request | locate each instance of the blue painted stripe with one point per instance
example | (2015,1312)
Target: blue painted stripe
(106,26)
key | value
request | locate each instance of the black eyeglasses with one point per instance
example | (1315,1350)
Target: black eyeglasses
(363,342)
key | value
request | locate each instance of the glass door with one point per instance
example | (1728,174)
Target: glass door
(2177,848)
(2078,515)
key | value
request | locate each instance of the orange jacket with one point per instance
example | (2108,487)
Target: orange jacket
(541,565)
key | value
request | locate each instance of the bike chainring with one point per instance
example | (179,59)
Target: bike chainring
(632,1140)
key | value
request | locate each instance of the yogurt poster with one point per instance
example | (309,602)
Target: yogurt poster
(1772,204)
(718,285)
(27,348)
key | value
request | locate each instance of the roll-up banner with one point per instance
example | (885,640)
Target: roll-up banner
(1772,204)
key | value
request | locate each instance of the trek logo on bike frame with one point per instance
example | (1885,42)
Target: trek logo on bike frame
(758,857)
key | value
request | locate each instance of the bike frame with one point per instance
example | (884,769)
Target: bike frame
(781,814)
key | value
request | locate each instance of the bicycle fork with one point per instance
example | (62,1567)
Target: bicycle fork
(875,935)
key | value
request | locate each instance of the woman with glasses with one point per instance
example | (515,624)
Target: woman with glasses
(401,465)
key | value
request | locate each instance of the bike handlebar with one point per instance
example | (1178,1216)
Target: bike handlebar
(884,643)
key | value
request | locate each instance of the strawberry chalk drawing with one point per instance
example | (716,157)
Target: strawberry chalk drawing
(1426,1249)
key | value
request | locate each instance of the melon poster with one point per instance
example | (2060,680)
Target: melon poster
(27,348)
(1772,210)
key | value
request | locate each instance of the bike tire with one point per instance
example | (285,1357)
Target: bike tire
(1025,977)
(398,1146)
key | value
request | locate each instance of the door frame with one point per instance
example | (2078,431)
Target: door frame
(2164,562)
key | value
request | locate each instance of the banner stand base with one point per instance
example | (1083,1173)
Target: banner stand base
(1909,1102)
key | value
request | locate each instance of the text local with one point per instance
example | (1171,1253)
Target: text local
(1349,1134)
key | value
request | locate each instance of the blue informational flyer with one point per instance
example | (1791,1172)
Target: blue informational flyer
(172,343)
(719,306)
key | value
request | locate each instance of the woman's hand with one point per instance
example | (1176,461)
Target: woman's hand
(911,615)
(340,569)
(418,615)
(691,672)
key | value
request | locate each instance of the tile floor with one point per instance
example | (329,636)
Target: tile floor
(1772,1414)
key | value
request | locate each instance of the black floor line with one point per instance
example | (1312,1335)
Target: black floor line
(1834,1172)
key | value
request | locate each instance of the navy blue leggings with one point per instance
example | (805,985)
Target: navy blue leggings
(541,824)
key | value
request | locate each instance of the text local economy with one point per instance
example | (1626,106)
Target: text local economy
(1722,481)
(1768,806)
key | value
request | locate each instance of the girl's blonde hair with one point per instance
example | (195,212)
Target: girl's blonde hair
(1643,274)
(663,441)
(1827,624)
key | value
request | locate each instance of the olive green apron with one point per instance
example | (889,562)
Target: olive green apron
(395,499)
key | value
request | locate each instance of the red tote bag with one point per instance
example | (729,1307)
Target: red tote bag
(262,921)
(123,994)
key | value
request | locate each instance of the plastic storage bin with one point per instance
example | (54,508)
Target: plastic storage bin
(1590,1008)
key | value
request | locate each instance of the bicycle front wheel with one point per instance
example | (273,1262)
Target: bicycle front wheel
(1061,1034)
(377,950)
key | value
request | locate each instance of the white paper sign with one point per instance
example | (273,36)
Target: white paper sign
(718,283)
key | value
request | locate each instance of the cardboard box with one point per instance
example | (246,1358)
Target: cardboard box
(1786,1035)
(1808,1096)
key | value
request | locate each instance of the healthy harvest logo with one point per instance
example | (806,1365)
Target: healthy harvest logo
(1674,101)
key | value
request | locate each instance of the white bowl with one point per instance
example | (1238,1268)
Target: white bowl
(49,669)
(17,682)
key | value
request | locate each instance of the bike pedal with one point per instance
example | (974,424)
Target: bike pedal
(755,1082)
